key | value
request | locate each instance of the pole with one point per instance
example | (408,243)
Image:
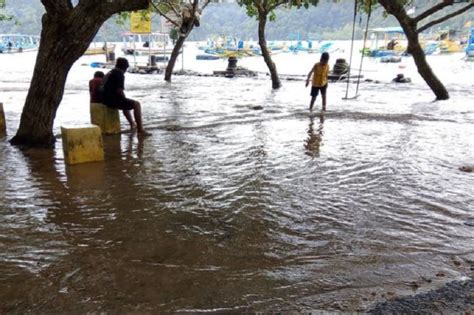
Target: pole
(363,47)
(352,48)
(182,58)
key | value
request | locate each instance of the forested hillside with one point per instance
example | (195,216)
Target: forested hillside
(328,20)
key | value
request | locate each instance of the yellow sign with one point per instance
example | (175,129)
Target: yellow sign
(140,22)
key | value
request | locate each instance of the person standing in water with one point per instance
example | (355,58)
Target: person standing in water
(113,96)
(320,72)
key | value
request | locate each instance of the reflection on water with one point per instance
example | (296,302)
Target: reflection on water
(315,139)
(223,208)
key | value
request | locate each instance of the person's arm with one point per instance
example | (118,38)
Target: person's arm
(309,76)
(121,86)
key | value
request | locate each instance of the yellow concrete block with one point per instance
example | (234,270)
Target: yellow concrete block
(106,118)
(82,144)
(3,125)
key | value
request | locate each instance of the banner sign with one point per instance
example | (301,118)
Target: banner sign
(140,22)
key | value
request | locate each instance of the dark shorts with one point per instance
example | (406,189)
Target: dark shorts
(315,90)
(122,104)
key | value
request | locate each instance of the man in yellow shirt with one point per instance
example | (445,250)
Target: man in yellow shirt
(320,72)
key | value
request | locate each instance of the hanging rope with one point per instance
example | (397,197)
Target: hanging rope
(352,47)
(363,47)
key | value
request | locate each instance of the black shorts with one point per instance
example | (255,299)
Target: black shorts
(315,90)
(122,104)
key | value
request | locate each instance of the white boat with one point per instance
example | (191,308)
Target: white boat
(147,44)
(17,43)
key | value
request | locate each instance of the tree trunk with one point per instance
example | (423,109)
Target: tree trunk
(424,68)
(60,46)
(66,33)
(174,55)
(414,48)
(262,21)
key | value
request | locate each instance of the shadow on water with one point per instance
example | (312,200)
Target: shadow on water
(129,244)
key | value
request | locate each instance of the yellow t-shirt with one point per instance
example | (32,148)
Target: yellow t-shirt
(320,74)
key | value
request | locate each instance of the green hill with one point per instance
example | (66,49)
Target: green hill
(328,20)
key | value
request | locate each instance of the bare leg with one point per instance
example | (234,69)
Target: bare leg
(127,115)
(324,101)
(313,99)
(137,112)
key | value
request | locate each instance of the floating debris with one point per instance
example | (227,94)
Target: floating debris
(467,169)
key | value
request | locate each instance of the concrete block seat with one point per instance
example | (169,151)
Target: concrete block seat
(82,143)
(108,119)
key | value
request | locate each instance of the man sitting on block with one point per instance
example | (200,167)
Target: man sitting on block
(113,96)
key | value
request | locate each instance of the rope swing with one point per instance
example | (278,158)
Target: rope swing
(363,47)
(369,2)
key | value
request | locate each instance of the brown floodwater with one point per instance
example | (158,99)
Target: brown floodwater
(229,209)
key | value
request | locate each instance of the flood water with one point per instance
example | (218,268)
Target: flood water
(230,209)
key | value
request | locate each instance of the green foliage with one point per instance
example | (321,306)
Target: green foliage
(266,8)
(3,16)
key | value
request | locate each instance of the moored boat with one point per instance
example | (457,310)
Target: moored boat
(392,46)
(17,43)
(147,44)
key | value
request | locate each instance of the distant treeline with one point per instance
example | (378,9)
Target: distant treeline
(328,20)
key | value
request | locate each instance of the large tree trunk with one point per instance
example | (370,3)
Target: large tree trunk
(424,69)
(66,34)
(262,21)
(409,26)
(174,55)
(56,55)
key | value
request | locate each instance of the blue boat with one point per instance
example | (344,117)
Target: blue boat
(470,46)
(207,57)
(17,43)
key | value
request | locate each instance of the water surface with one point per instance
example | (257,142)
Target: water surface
(226,208)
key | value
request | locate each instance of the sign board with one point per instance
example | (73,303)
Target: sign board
(140,22)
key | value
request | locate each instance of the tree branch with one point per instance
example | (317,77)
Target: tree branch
(447,17)
(172,7)
(57,7)
(432,10)
(164,15)
(116,6)
(276,5)
(205,4)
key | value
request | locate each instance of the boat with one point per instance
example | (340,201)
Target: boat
(207,57)
(99,48)
(447,41)
(17,43)
(470,46)
(392,46)
(224,47)
(147,44)
(310,47)
(391,59)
